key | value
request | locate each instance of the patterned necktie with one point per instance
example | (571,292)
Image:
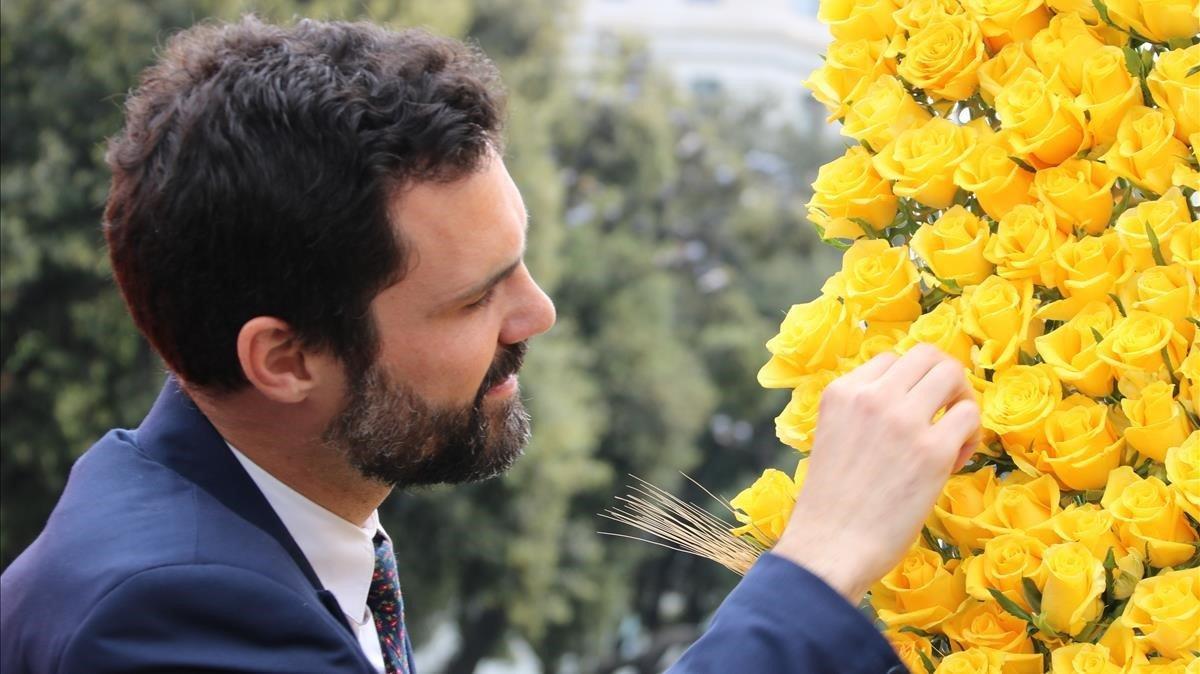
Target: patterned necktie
(388,608)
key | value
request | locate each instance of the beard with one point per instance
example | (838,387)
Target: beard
(390,434)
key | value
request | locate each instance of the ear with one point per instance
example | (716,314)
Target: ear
(275,362)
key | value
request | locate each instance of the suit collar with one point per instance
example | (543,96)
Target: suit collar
(178,435)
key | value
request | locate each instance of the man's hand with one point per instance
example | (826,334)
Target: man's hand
(878,464)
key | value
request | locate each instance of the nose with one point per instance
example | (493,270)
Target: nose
(533,316)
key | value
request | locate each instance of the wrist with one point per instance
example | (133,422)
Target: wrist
(842,567)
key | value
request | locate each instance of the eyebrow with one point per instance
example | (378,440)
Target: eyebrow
(487,284)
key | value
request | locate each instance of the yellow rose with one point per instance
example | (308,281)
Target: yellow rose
(1183,473)
(921,161)
(850,66)
(1107,92)
(1005,21)
(1188,664)
(1018,403)
(1045,123)
(1003,68)
(1024,506)
(964,498)
(1184,246)
(1081,445)
(998,182)
(1024,244)
(910,647)
(1079,194)
(943,58)
(1090,268)
(848,189)
(1166,609)
(1090,526)
(921,591)
(764,507)
(1189,375)
(1139,341)
(942,328)
(1071,350)
(1146,150)
(1177,93)
(915,15)
(877,341)
(1059,50)
(998,314)
(1156,422)
(1005,562)
(813,337)
(1075,581)
(953,247)
(858,20)
(987,625)
(795,426)
(1170,292)
(1159,20)
(1083,658)
(1185,176)
(989,661)
(878,282)
(1164,216)
(883,112)
(1149,519)
(1122,644)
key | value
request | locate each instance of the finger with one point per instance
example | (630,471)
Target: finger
(943,385)
(871,370)
(911,367)
(957,432)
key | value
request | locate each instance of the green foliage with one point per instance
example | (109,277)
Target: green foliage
(669,236)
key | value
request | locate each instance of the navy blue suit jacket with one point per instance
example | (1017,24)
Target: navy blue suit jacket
(163,556)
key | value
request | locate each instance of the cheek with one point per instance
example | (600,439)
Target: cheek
(447,367)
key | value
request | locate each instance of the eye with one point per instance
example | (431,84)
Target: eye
(482,301)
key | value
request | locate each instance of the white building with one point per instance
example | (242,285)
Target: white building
(750,50)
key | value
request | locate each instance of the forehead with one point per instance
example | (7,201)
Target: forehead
(460,230)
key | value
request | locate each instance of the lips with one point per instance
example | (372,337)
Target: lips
(506,366)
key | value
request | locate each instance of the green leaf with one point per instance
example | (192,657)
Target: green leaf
(867,228)
(1026,359)
(1103,10)
(1022,163)
(916,630)
(1009,605)
(1119,303)
(926,662)
(1032,594)
(1192,71)
(1170,369)
(1039,621)
(1155,248)
(1097,336)
(1133,61)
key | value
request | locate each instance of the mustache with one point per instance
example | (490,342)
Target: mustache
(508,362)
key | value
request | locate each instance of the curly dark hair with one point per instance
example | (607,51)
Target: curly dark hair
(253,176)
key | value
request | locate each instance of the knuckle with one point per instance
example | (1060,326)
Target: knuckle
(871,399)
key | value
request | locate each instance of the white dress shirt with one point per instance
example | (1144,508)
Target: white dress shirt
(341,554)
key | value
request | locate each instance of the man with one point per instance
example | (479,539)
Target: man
(314,227)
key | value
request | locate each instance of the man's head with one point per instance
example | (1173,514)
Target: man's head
(319,214)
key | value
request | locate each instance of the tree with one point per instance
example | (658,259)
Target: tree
(669,235)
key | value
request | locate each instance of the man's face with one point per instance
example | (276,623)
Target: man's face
(441,401)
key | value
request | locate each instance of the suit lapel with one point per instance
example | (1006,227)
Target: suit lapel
(178,435)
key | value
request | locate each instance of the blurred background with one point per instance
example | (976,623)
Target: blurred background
(664,149)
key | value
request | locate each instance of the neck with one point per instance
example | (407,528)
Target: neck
(287,444)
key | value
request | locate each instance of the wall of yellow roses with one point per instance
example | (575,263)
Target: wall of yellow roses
(1020,189)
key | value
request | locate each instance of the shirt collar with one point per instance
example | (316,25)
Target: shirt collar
(341,554)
